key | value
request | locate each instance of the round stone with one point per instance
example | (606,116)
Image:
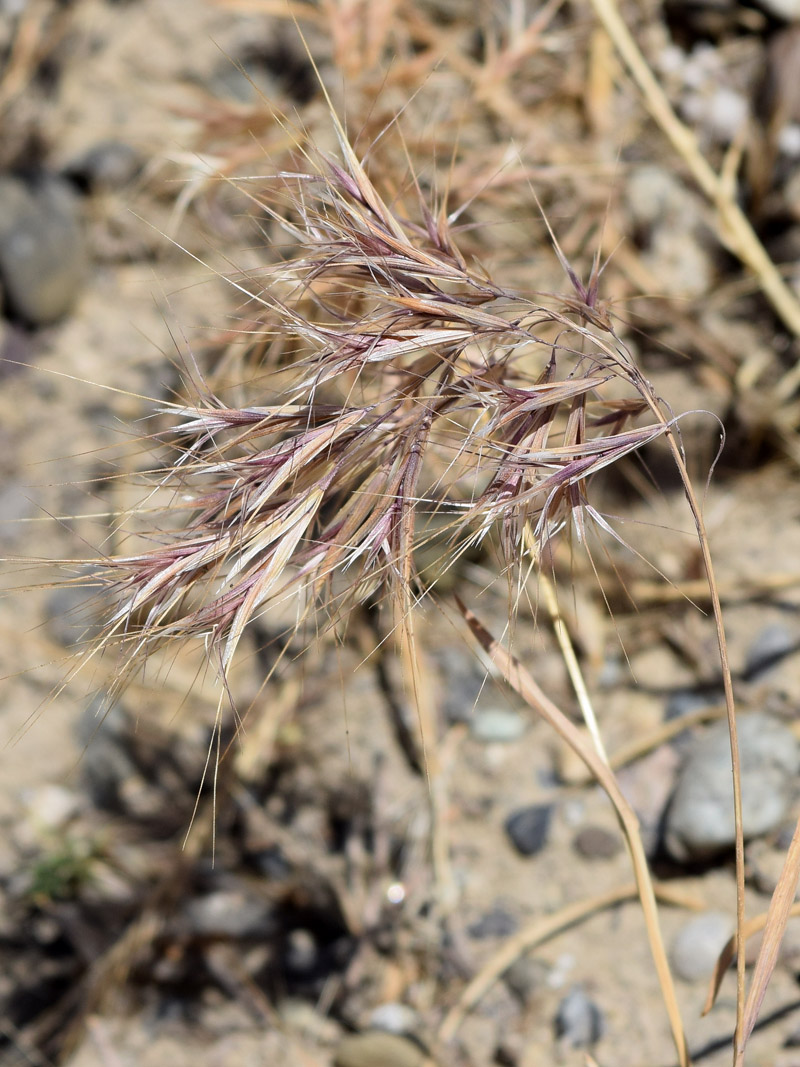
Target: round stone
(697,946)
(699,821)
(42,250)
(497,724)
(379,1049)
(597,843)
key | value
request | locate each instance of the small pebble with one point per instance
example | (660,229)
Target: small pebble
(301,956)
(579,1022)
(378,1049)
(230,913)
(789,10)
(528,828)
(495,923)
(106,166)
(272,863)
(463,681)
(765,863)
(699,821)
(770,646)
(680,261)
(70,614)
(698,943)
(653,193)
(497,724)
(526,977)
(394,1018)
(597,843)
(303,1018)
(684,701)
(42,250)
(51,807)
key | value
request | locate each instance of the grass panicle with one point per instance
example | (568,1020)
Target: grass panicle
(400,384)
(413,385)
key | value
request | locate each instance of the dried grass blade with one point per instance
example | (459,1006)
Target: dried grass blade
(777,916)
(522,682)
(735,231)
(752,926)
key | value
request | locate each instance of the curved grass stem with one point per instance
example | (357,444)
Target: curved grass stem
(730,707)
(522,682)
(571,662)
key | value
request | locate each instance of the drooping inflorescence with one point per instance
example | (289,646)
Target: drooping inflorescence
(402,382)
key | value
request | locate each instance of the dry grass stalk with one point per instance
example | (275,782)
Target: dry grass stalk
(780,908)
(753,925)
(736,233)
(735,230)
(521,681)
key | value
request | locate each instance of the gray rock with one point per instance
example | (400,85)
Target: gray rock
(105,166)
(668,216)
(684,701)
(597,843)
(698,943)
(498,922)
(72,614)
(463,681)
(653,194)
(765,862)
(42,249)
(497,724)
(230,913)
(526,977)
(699,822)
(770,646)
(51,807)
(579,1022)
(529,827)
(301,956)
(789,10)
(106,766)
